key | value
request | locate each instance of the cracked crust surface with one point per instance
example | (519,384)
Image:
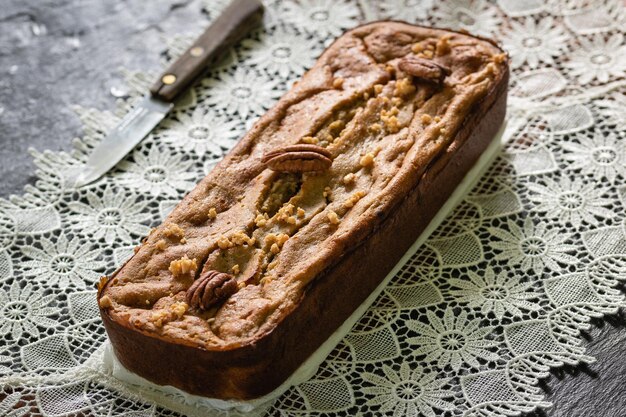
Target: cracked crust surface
(278,232)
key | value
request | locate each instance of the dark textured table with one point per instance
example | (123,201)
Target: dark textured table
(58,53)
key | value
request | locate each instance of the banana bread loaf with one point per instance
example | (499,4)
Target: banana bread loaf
(300,222)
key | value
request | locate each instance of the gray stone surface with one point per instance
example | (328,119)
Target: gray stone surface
(56,53)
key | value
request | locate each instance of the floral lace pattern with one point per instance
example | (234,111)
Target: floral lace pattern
(497,295)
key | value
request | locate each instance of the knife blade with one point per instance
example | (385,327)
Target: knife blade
(233,24)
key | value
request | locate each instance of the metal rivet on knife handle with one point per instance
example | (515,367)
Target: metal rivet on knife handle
(196,51)
(168,79)
(233,24)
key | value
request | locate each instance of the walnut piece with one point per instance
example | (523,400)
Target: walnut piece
(298,158)
(211,288)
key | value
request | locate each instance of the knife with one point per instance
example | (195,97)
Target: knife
(233,24)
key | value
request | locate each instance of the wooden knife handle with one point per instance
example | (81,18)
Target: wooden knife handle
(233,24)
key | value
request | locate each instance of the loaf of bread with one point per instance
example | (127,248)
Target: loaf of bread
(302,220)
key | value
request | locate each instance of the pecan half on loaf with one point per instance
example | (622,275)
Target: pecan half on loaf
(424,69)
(211,288)
(298,158)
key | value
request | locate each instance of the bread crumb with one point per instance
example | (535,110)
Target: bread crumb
(366,95)
(353,199)
(278,239)
(428,53)
(396,101)
(333,217)
(390,69)
(179,308)
(375,128)
(426,119)
(158,317)
(241,284)
(300,212)
(235,269)
(212,213)
(437,119)
(224,243)
(326,192)
(261,220)
(270,266)
(391,112)
(392,124)
(367,160)
(173,231)
(443,45)
(417,48)
(286,212)
(240,238)
(105,302)
(183,241)
(349,178)
(338,83)
(443,130)
(274,248)
(183,266)
(404,87)
(310,140)
(281,239)
(378,88)
(337,125)
(161,245)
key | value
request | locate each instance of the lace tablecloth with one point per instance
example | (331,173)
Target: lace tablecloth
(495,298)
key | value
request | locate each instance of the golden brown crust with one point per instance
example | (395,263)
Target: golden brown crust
(282,234)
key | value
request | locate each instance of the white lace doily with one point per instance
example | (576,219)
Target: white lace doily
(495,298)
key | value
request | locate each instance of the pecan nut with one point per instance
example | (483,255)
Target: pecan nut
(298,158)
(424,69)
(211,288)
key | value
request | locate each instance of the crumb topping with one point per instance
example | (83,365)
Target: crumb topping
(333,217)
(183,267)
(353,199)
(349,178)
(367,160)
(173,231)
